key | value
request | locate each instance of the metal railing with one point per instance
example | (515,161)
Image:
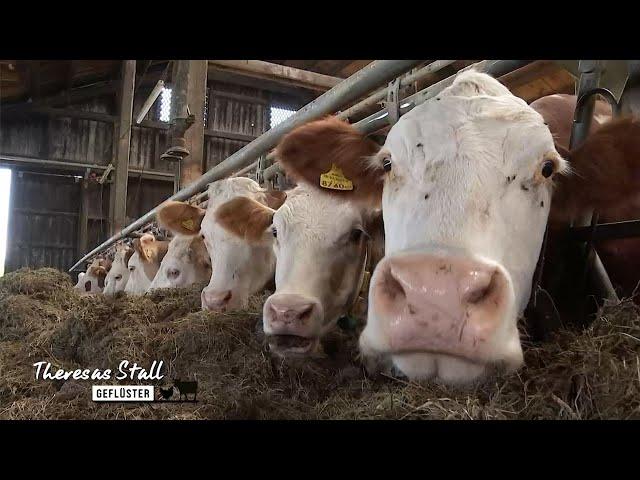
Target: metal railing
(357,85)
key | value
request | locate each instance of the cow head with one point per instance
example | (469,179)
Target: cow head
(187,262)
(118,275)
(144,263)
(93,281)
(320,244)
(465,183)
(239,268)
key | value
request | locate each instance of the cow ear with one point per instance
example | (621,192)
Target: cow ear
(127,255)
(245,218)
(142,251)
(275,198)
(180,217)
(333,156)
(605,169)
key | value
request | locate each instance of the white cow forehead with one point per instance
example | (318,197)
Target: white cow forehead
(224,190)
(476,114)
(307,211)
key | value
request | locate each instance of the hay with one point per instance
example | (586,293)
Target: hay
(577,375)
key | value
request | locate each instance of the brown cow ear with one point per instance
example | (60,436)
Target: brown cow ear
(605,169)
(127,255)
(180,217)
(334,157)
(275,198)
(139,247)
(245,218)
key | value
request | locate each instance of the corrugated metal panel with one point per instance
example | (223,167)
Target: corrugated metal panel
(43,222)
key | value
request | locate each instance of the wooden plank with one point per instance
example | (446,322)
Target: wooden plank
(83,223)
(118,200)
(278,73)
(192,166)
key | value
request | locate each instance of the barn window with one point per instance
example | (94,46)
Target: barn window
(165,105)
(5,189)
(279,115)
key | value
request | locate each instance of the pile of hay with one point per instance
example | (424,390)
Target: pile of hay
(578,375)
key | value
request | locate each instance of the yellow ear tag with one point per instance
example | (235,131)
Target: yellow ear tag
(334,179)
(188,224)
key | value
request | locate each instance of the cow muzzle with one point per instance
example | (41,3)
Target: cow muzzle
(443,315)
(291,323)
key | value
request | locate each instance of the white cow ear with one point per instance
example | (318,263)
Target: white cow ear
(473,83)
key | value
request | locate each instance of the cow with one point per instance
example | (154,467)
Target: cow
(118,275)
(93,280)
(187,262)
(145,263)
(322,246)
(465,184)
(620,257)
(239,269)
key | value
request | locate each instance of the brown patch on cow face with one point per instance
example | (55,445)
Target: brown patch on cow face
(275,198)
(198,254)
(245,218)
(180,217)
(150,249)
(606,171)
(310,151)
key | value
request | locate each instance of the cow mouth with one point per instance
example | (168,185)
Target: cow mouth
(292,344)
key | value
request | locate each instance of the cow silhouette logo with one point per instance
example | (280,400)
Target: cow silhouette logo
(184,388)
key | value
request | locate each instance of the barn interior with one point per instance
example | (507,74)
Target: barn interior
(88,150)
(69,130)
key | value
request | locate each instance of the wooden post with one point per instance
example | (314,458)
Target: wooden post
(190,90)
(122,145)
(83,217)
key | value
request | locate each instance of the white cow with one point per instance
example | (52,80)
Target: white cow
(93,280)
(465,183)
(186,262)
(145,263)
(118,276)
(321,246)
(239,269)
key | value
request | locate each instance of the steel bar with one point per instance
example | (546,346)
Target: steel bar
(606,231)
(405,81)
(358,84)
(379,119)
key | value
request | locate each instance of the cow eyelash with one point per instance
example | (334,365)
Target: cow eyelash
(274,232)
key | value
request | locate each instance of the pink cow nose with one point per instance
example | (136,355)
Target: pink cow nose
(440,304)
(290,314)
(215,300)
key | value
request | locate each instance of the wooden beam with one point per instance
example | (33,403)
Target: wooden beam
(61,112)
(118,197)
(83,212)
(64,98)
(278,73)
(192,166)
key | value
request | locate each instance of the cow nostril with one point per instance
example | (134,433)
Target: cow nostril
(483,288)
(392,287)
(173,273)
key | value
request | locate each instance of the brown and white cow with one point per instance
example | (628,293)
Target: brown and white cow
(145,263)
(321,246)
(465,183)
(619,202)
(118,276)
(187,262)
(93,280)
(239,269)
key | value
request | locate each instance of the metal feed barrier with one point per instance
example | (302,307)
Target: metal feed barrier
(356,86)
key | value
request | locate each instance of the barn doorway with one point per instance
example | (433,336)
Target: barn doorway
(5,195)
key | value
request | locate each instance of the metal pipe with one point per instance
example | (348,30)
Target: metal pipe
(404,82)
(379,119)
(155,93)
(246,169)
(358,84)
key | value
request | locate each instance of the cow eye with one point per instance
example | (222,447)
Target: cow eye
(118,278)
(131,269)
(356,235)
(274,232)
(386,164)
(547,168)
